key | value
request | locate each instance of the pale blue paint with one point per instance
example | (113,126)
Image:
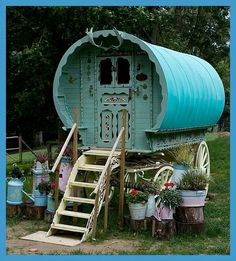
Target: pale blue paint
(193,93)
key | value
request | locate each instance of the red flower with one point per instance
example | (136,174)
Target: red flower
(133,191)
(53,184)
(169,184)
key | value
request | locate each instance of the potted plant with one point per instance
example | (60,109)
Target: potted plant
(15,186)
(152,189)
(137,201)
(183,157)
(40,193)
(192,188)
(51,197)
(168,200)
(41,163)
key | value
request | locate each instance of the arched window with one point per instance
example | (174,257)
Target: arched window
(105,71)
(123,75)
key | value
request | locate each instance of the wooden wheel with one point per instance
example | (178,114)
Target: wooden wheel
(130,177)
(163,175)
(202,161)
(92,177)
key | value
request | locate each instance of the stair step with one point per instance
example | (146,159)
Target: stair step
(104,153)
(91,167)
(83,184)
(69,228)
(80,200)
(74,214)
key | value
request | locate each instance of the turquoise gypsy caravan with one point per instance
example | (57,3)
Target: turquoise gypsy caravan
(165,92)
(171,98)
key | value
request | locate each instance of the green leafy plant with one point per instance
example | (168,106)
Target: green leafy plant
(169,197)
(193,179)
(136,196)
(182,155)
(49,187)
(16,172)
(151,187)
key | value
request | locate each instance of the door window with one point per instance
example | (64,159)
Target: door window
(105,72)
(123,71)
(114,71)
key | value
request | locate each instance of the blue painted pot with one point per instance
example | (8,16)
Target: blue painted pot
(15,188)
(178,172)
(40,199)
(38,177)
(50,203)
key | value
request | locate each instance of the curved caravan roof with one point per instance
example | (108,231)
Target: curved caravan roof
(192,91)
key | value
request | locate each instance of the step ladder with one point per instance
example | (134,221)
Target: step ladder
(86,162)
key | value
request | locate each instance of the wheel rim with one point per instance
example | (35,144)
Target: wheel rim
(163,175)
(203,159)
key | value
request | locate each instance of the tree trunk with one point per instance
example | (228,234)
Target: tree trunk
(189,215)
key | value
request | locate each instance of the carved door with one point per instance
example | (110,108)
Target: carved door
(113,91)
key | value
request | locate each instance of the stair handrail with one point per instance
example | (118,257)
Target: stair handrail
(108,162)
(63,148)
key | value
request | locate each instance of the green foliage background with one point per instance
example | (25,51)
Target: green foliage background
(37,37)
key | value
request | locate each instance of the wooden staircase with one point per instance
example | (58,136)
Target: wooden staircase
(86,162)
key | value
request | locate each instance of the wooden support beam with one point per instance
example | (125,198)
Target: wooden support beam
(107,198)
(122,171)
(95,216)
(75,157)
(75,137)
(56,189)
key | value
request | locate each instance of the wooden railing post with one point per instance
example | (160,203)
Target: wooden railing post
(56,203)
(122,171)
(20,147)
(75,157)
(95,216)
(107,198)
(75,137)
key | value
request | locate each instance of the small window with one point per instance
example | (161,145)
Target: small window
(105,71)
(123,76)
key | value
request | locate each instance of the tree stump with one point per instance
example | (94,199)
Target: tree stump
(36,212)
(164,229)
(190,220)
(136,225)
(48,216)
(14,210)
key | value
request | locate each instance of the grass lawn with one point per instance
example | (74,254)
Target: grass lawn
(216,238)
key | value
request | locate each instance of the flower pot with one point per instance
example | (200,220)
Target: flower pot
(192,198)
(40,199)
(166,212)
(179,170)
(137,210)
(64,172)
(14,189)
(151,205)
(50,203)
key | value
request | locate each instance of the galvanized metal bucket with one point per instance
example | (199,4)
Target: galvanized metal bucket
(137,210)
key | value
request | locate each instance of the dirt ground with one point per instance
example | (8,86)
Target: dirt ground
(16,246)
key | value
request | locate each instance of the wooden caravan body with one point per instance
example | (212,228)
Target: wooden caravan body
(170,97)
